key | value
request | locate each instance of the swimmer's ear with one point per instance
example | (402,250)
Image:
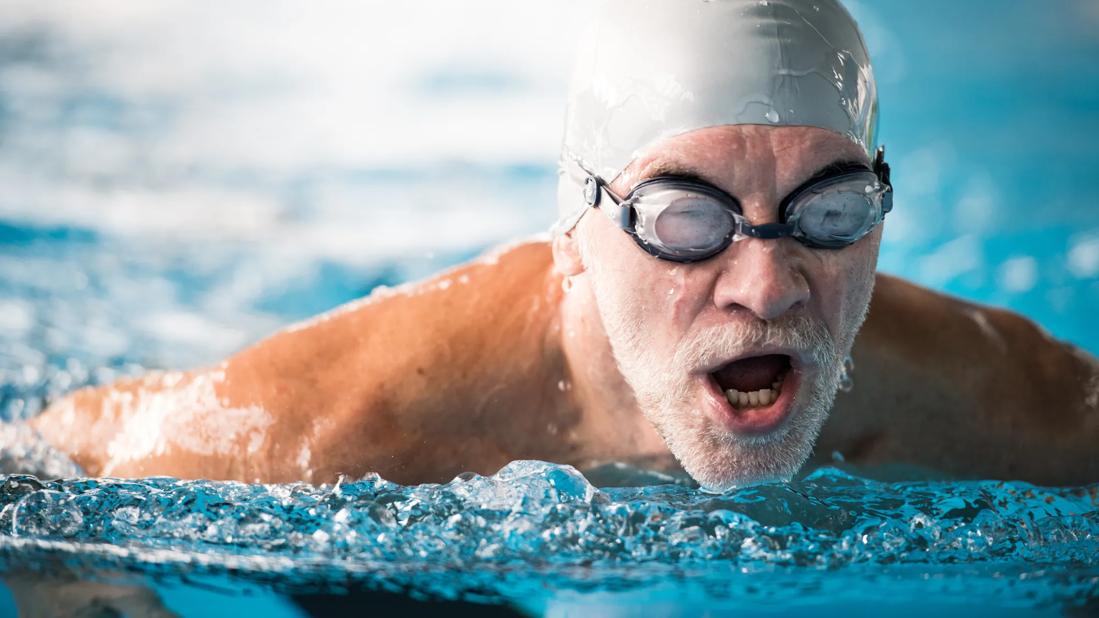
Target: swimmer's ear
(566,254)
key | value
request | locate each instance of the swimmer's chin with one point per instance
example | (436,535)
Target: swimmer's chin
(719,477)
(727,486)
(743,466)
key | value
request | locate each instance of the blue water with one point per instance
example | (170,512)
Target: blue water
(540,537)
(180,182)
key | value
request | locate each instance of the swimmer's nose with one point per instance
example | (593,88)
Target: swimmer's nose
(759,276)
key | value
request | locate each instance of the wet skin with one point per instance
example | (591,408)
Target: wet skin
(494,361)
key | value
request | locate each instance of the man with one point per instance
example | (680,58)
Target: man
(722,204)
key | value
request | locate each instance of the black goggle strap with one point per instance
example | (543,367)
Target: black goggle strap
(881,170)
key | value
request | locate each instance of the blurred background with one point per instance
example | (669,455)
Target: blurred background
(180,178)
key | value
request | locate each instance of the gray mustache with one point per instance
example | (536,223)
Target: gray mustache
(714,344)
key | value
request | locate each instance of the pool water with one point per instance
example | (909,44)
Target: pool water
(541,538)
(179,182)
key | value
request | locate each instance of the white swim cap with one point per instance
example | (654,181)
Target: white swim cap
(650,69)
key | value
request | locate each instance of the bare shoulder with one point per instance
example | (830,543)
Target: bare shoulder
(395,337)
(968,389)
(931,328)
(374,384)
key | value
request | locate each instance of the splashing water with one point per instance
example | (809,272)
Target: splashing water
(535,531)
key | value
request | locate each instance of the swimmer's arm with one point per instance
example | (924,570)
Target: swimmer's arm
(279,411)
(370,387)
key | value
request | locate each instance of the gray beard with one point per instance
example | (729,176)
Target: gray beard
(717,459)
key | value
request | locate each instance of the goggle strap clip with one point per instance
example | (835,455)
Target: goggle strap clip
(592,191)
(593,195)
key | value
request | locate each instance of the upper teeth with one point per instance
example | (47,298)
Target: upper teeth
(762,397)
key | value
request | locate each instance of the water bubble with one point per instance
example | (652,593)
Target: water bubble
(772,116)
(46,514)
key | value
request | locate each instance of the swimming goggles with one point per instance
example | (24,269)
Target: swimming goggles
(687,220)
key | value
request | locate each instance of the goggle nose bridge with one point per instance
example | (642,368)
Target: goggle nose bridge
(766,231)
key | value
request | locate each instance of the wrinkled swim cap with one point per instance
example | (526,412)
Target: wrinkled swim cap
(647,70)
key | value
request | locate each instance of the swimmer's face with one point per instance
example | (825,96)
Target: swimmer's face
(772,319)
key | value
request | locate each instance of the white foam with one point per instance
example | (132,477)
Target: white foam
(168,414)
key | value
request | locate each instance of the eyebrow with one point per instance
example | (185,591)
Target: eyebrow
(672,168)
(835,168)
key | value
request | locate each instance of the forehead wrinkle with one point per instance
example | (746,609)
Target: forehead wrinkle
(818,151)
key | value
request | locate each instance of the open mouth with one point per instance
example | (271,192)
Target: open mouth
(754,382)
(754,395)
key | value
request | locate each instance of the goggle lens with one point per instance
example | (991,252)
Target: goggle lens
(684,222)
(837,215)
